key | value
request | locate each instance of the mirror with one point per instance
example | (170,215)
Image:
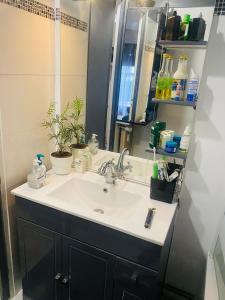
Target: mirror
(111,55)
(73,50)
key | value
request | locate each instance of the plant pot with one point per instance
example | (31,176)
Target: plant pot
(61,164)
(77,150)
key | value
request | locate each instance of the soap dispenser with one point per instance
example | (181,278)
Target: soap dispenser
(36,179)
(93,144)
(43,169)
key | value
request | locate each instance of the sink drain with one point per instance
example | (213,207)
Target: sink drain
(99,211)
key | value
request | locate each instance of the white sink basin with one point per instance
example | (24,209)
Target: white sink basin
(100,198)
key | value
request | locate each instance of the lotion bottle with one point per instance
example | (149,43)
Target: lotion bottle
(93,144)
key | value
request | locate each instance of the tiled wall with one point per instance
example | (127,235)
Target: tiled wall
(27,78)
(47,11)
(220,7)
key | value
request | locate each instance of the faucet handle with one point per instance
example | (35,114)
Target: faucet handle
(129,166)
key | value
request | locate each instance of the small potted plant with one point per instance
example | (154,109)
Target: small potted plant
(58,124)
(76,128)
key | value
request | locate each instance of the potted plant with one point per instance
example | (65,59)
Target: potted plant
(76,128)
(58,124)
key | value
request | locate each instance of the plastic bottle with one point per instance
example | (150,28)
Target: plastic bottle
(169,71)
(192,87)
(184,27)
(169,95)
(36,179)
(180,79)
(93,144)
(162,81)
(43,169)
(185,140)
(173,27)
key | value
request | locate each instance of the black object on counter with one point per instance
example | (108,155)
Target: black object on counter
(162,190)
(149,217)
(197,29)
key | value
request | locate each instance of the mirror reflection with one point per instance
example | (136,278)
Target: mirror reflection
(138,75)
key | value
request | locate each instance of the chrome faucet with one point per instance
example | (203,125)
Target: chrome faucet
(108,170)
(111,171)
(120,168)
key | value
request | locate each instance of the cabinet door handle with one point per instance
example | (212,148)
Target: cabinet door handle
(58,276)
(65,280)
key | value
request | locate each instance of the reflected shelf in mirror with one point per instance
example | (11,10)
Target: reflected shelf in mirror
(178,154)
(183,44)
(175,102)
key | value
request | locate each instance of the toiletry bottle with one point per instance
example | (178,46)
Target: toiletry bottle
(40,158)
(192,87)
(173,27)
(170,83)
(155,133)
(35,179)
(88,159)
(180,79)
(184,27)
(185,140)
(80,164)
(162,81)
(93,144)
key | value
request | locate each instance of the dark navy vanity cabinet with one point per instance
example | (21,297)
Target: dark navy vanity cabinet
(66,257)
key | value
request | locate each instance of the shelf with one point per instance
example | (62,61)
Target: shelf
(130,123)
(183,44)
(174,102)
(178,154)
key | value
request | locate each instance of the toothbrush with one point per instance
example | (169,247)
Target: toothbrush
(155,166)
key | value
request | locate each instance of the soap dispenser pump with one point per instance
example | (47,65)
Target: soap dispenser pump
(43,169)
(93,144)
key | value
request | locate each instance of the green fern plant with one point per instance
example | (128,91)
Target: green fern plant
(76,128)
(60,131)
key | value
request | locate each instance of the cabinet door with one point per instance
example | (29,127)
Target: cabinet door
(40,261)
(89,270)
(134,282)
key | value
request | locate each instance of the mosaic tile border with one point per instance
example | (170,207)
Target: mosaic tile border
(33,7)
(73,22)
(46,11)
(219,8)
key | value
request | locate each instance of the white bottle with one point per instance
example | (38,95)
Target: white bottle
(36,179)
(93,144)
(185,140)
(180,80)
(192,87)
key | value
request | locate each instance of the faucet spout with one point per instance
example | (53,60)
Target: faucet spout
(120,168)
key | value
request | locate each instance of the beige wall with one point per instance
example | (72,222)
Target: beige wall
(26,89)
(27,86)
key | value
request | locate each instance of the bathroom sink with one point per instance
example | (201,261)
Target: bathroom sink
(100,198)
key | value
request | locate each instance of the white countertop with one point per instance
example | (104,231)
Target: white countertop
(132,225)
